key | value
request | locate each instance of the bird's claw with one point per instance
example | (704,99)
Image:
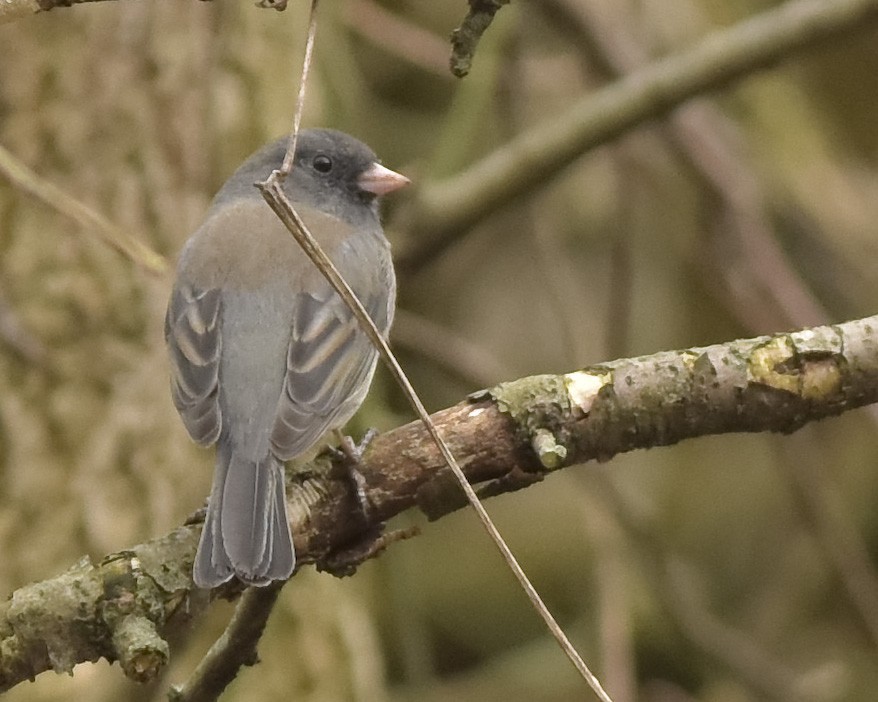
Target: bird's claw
(350,455)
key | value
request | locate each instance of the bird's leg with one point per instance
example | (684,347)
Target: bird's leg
(352,455)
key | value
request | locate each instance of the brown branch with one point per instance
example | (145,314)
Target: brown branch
(447,209)
(467,36)
(507,438)
(11,10)
(234,649)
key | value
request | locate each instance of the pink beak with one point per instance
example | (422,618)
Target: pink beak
(379,180)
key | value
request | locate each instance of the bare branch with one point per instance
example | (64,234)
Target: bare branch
(466,37)
(772,294)
(234,649)
(447,209)
(507,437)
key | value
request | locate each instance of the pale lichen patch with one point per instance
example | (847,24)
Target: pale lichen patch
(770,365)
(583,388)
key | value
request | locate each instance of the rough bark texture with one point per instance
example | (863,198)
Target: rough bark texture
(505,438)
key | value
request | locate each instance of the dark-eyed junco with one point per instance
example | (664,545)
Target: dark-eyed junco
(265,357)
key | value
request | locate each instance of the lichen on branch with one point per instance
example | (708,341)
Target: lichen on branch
(507,438)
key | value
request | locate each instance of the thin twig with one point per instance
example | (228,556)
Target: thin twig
(466,37)
(272,191)
(237,646)
(234,649)
(49,194)
(303,85)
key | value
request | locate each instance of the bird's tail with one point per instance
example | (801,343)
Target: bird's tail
(246,532)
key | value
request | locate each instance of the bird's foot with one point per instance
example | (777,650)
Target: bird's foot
(373,542)
(350,454)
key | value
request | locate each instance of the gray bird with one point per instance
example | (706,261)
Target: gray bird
(265,357)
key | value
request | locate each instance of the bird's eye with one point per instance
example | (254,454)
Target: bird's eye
(322,164)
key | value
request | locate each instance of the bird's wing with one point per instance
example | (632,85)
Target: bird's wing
(330,361)
(192,332)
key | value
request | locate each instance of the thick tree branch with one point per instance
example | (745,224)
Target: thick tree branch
(448,209)
(506,438)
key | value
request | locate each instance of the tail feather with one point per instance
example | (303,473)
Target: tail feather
(279,558)
(212,566)
(283,555)
(247,509)
(246,532)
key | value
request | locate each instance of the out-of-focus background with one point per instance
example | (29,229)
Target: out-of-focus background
(725,569)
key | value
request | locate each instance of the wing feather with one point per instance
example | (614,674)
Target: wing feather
(192,332)
(330,361)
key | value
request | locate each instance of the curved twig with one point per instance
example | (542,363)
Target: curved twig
(234,649)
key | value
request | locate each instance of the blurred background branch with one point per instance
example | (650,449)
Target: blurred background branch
(24,179)
(447,209)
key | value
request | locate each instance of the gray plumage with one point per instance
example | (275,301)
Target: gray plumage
(265,357)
